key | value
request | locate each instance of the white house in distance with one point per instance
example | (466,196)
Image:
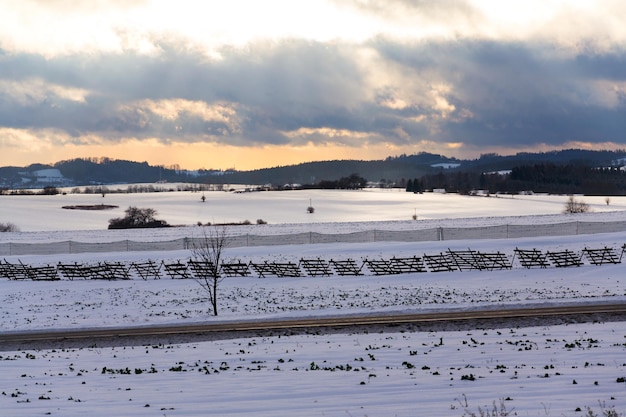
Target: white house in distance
(446,165)
(49,176)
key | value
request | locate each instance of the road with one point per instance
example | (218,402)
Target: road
(301,323)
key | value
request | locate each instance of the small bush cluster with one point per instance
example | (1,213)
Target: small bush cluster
(8,227)
(573,206)
(137,218)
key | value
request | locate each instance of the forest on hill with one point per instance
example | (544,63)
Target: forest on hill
(564,172)
(539,178)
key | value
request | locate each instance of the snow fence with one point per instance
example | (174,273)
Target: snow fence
(507,231)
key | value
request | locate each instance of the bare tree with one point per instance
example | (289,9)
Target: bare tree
(8,227)
(207,254)
(575,206)
(137,218)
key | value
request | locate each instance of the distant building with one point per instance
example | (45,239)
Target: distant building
(446,165)
(49,176)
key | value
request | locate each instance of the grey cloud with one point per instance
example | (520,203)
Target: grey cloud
(518,94)
(277,88)
(606,66)
(503,94)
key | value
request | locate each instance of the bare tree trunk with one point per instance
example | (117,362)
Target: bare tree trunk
(207,255)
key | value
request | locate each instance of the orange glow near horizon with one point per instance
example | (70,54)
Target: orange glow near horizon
(210,155)
(219,156)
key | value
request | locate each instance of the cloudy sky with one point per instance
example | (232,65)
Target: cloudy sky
(250,84)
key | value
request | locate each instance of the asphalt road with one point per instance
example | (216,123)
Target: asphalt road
(302,323)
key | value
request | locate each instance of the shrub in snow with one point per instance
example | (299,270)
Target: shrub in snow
(137,218)
(8,227)
(575,206)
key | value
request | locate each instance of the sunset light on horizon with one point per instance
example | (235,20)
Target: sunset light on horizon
(246,85)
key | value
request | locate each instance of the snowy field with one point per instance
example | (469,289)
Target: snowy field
(45,213)
(530,368)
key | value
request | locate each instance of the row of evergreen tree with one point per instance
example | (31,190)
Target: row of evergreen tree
(541,178)
(566,171)
(351,182)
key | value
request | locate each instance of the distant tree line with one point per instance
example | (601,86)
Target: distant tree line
(571,178)
(47,190)
(528,171)
(414,186)
(543,178)
(146,188)
(105,170)
(351,182)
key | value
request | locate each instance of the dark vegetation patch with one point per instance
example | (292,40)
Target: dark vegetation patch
(90,207)
(137,218)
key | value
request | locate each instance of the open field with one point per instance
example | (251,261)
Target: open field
(282,207)
(531,368)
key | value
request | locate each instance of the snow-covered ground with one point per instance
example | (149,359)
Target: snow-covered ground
(45,213)
(532,368)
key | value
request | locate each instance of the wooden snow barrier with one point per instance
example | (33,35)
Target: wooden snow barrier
(346,267)
(407,265)
(13,272)
(147,269)
(530,258)
(75,270)
(395,265)
(4,272)
(262,269)
(21,271)
(176,270)
(236,269)
(466,259)
(603,256)
(278,269)
(495,260)
(202,269)
(286,269)
(379,266)
(450,260)
(103,270)
(564,259)
(113,270)
(316,267)
(42,273)
(441,262)
(99,271)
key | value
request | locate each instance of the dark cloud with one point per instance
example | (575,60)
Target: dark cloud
(520,95)
(479,92)
(276,87)
(606,66)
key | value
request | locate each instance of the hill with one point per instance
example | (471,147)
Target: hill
(565,171)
